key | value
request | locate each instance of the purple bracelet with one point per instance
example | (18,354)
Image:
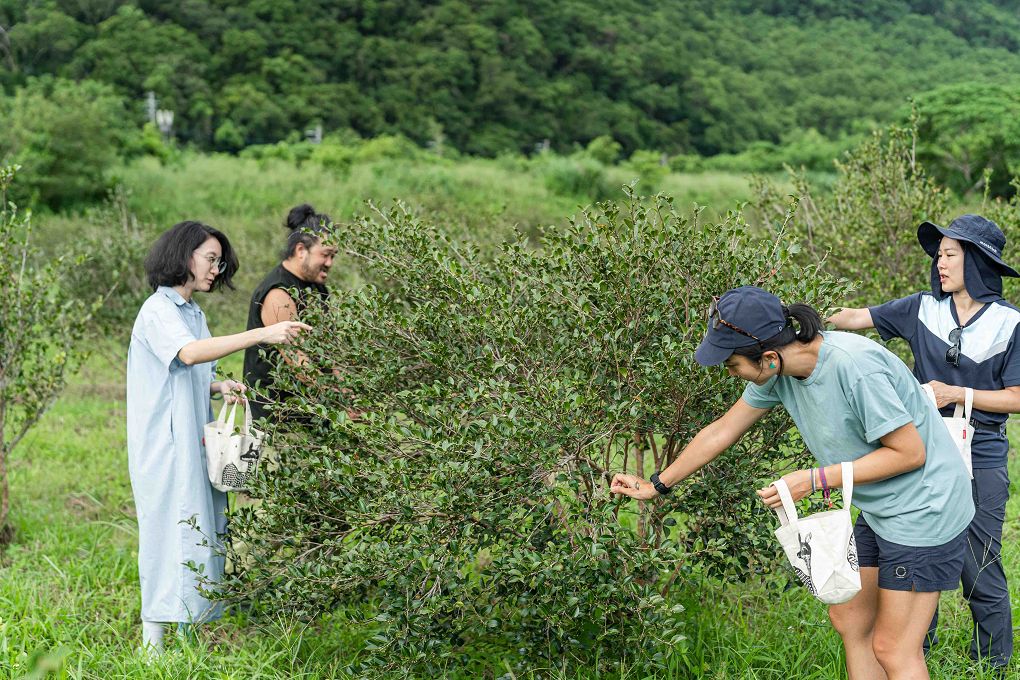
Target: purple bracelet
(825,486)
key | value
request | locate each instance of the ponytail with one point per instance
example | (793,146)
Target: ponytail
(803,324)
(808,321)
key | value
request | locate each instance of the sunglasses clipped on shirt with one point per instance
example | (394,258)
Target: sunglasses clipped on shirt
(953,353)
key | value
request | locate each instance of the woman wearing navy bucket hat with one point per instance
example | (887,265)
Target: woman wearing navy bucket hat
(963,334)
(853,401)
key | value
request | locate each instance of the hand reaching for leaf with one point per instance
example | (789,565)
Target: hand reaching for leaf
(633,486)
(232,391)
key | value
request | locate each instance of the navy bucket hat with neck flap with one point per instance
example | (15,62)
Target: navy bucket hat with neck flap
(974,229)
(982,242)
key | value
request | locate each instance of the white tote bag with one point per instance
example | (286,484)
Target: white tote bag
(232,454)
(959,425)
(821,547)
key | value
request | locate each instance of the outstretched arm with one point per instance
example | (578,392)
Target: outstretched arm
(211,349)
(712,440)
(852,319)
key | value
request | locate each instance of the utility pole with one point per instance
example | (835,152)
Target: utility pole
(165,121)
(150,106)
(161,118)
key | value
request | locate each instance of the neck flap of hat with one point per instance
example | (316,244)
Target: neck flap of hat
(980,275)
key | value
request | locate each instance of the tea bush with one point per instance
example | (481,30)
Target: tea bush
(42,333)
(466,504)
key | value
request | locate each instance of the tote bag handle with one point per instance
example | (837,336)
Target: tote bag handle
(227,413)
(962,410)
(222,418)
(247,416)
(788,512)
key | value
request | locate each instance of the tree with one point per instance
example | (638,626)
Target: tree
(66,135)
(137,55)
(44,42)
(469,501)
(41,332)
(966,130)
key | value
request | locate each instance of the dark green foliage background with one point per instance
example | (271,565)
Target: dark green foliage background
(704,76)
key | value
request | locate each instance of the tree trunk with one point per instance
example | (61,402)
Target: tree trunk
(639,470)
(6,532)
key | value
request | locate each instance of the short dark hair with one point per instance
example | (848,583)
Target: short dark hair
(169,261)
(305,225)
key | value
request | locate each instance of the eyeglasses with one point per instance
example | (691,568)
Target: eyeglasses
(714,320)
(215,263)
(953,353)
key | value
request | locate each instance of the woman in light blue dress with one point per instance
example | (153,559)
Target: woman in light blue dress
(170,380)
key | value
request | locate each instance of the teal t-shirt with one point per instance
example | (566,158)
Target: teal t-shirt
(858,393)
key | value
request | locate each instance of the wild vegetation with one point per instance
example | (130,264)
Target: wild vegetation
(514,315)
(42,328)
(70,582)
(703,85)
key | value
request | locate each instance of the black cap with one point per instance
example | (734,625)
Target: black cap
(973,229)
(753,310)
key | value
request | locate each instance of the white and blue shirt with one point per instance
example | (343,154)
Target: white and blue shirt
(989,358)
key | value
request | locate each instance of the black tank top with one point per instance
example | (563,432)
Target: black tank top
(257,369)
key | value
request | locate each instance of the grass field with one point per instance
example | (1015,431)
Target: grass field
(69,599)
(69,602)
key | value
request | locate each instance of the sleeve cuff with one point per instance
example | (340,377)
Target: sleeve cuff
(879,431)
(758,403)
(883,330)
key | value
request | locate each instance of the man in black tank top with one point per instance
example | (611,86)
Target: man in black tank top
(300,279)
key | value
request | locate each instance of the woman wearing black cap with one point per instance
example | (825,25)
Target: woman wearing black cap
(963,334)
(853,401)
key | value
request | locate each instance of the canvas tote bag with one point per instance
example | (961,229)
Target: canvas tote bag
(821,547)
(959,425)
(232,454)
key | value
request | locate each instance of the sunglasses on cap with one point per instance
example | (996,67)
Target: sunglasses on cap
(714,320)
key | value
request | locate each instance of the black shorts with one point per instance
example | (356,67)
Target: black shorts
(903,567)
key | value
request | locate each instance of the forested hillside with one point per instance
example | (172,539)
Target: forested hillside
(678,76)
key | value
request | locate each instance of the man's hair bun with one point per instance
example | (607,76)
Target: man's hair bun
(305,226)
(301,217)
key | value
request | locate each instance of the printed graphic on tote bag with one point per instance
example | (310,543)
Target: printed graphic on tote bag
(232,453)
(805,554)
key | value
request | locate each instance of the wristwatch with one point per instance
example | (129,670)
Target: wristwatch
(659,486)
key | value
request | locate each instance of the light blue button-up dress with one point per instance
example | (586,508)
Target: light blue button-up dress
(167,407)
